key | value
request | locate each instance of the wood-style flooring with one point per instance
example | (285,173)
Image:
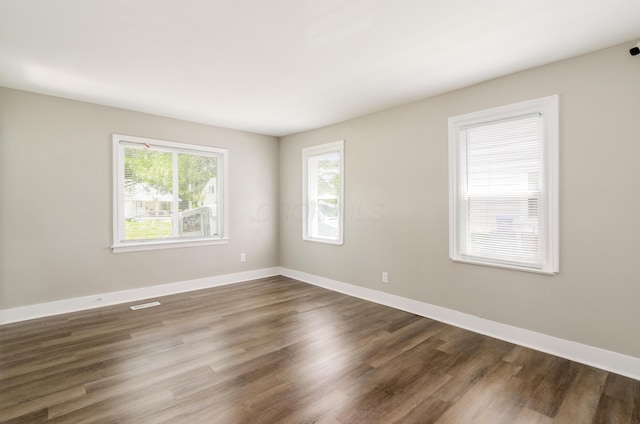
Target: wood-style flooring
(280,351)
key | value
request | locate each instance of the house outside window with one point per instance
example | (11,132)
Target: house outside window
(167,194)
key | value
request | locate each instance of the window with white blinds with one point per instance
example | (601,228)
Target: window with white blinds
(167,194)
(503,194)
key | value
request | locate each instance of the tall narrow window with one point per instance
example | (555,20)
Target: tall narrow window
(323,188)
(504,186)
(167,194)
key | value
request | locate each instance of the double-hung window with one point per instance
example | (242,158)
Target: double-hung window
(323,192)
(503,194)
(167,194)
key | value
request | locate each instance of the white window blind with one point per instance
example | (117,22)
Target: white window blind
(503,177)
(501,190)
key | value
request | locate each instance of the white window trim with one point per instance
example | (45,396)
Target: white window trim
(548,107)
(118,204)
(307,153)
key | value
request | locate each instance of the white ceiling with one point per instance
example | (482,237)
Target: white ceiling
(283,66)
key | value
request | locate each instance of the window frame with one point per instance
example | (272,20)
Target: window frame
(309,153)
(547,107)
(119,245)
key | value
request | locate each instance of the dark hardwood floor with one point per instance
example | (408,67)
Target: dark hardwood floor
(280,351)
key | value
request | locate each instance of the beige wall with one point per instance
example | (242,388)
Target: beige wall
(397,205)
(56,201)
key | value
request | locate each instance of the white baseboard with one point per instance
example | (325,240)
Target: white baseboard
(40,310)
(589,355)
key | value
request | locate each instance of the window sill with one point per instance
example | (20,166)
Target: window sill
(323,241)
(504,266)
(155,245)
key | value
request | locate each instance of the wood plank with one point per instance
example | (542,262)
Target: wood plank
(582,399)
(488,401)
(528,416)
(613,410)
(553,388)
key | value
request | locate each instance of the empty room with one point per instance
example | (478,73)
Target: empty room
(319,211)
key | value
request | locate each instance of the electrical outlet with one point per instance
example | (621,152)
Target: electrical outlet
(385,277)
(243,257)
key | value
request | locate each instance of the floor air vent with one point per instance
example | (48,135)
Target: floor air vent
(145,305)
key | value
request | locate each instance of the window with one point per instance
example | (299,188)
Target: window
(503,194)
(322,192)
(167,194)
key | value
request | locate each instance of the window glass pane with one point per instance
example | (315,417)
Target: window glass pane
(148,198)
(502,228)
(327,191)
(328,175)
(198,194)
(504,157)
(326,218)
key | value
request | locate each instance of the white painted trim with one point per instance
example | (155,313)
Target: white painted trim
(593,356)
(40,310)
